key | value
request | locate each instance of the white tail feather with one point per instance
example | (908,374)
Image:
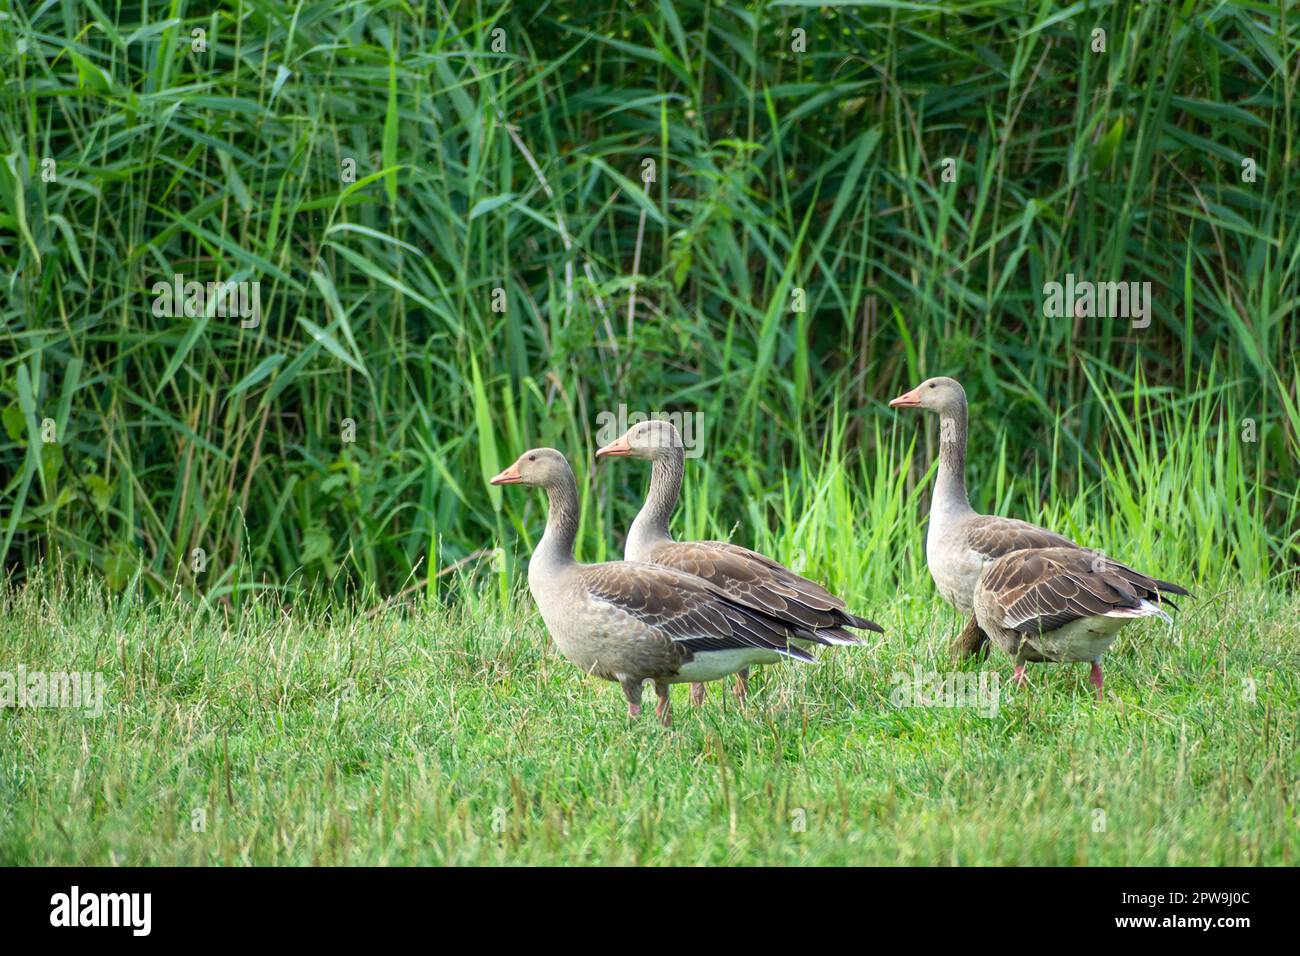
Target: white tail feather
(1145,609)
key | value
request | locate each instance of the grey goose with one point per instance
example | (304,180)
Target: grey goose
(744,575)
(633,622)
(960,542)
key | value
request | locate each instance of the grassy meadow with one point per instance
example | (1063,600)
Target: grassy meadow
(459,736)
(479,227)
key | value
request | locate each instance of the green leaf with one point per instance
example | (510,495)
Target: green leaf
(282,74)
(89,76)
(331,344)
(15,423)
(484,206)
(235,181)
(70,239)
(264,368)
(390,131)
(120,565)
(51,460)
(1103,153)
(488,462)
(101,492)
(316,545)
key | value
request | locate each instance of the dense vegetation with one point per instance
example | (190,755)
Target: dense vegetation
(382,168)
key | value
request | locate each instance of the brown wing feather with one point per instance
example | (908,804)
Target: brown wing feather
(992,536)
(1040,591)
(689,610)
(758,581)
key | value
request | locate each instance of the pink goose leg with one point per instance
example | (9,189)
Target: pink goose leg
(632,691)
(1094,678)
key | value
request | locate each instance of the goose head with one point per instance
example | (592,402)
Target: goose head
(540,467)
(943,395)
(651,439)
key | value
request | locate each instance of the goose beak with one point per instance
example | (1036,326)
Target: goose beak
(510,476)
(619,448)
(910,399)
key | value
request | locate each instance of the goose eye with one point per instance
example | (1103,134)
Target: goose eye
(932,384)
(532,457)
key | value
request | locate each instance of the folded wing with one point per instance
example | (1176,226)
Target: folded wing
(1040,591)
(690,611)
(757,581)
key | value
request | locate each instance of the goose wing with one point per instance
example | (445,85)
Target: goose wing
(760,582)
(992,536)
(690,611)
(1037,591)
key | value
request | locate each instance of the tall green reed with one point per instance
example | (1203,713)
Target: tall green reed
(445,235)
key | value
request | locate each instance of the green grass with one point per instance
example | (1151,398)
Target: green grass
(423,735)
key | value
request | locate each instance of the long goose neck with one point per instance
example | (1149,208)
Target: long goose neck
(950,486)
(556,547)
(651,524)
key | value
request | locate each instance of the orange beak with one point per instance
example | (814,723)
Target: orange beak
(508,477)
(618,448)
(910,399)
